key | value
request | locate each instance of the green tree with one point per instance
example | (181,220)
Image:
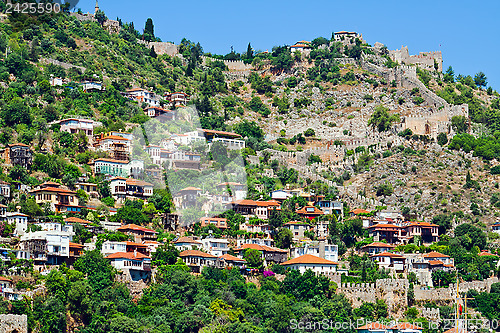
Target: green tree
(442,139)
(149,33)
(470,236)
(254,258)
(284,238)
(16,112)
(480,80)
(381,120)
(100,17)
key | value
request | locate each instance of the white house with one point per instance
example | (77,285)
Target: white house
(57,244)
(187,243)
(390,260)
(136,264)
(308,261)
(5,189)
(75,125)
(216,246)
(20,220)
(109,247)
(320,249)
(196,260)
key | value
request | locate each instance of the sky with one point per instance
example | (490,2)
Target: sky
(466,32)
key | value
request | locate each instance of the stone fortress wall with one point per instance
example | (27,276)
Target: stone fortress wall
(162,47)
(394,291)
(424,60)
(232,65)
(434,120)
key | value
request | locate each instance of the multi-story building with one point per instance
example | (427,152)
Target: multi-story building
(139,233)
(251,208)
(75,125)
(215,246)
(156,111)
(61,200)
(376,247)
(89,188)
(177,98)
(116,168)
(187,243)
(48,246)
(218,222)
(142,96)
(269,254)
(18,154)
(136,264)
(20,220)
(298,229)
(196,260)
(308,261)
(4,189)
(117,146)
(392,261)
(316,248)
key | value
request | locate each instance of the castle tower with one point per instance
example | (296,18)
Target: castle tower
(96,6)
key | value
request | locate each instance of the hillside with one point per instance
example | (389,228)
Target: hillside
(148,186)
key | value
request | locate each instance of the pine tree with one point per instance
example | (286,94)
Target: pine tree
(152,52)
(149,33)
(249,52)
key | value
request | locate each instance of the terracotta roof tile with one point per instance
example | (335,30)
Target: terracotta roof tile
(309,259)
(435,254)
(195,253)
(228,257)
(127,255)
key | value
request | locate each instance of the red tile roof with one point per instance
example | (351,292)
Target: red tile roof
(115,137)
(220,132)
(75,245)
(387,254)
(309,259)
(110,160)
(258,247)
(187,240)
(304,211)
(385,226)
(359,211)
(228,257)
(73,219)
(127,255)
(435,254)
(137,182)
(53,189)
(136,228)
(487,253)
(195,253)
(436,263)
(378,244)
(421,224)
(135,244)
(191,188)
(5,279)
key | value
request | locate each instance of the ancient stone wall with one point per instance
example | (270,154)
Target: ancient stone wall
(10,323)
(232,65)
(394,292)
(162,47)
(424,60)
